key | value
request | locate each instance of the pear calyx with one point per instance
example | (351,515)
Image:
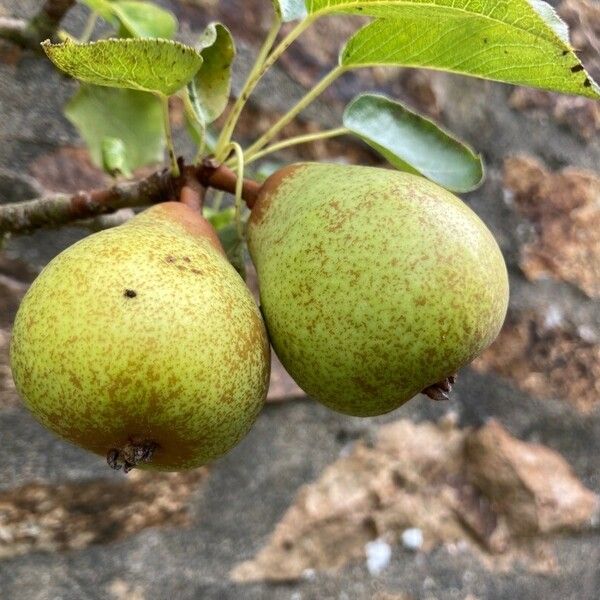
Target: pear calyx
(131,455)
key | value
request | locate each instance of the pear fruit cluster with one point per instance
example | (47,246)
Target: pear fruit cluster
(143,344)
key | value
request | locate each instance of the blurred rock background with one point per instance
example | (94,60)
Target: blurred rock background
(492,495)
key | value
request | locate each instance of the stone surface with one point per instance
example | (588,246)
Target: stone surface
(479,490)
(564,209)
(548,357)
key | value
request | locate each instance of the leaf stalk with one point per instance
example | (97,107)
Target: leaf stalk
(310,96)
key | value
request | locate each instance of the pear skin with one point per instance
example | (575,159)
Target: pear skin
(374,284)
(142,342)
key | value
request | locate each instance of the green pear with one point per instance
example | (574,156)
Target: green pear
(374,284)
(141,343)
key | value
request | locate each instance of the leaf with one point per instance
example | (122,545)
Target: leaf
(219,218)
(517,41)
(289,10)
(145,20)
(234,247)
(407,139)
(153,65)
(114,156)
(224,222)
(134,118)
(210,87)
(137,18)
(102,7)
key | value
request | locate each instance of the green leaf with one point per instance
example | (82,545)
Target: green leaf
(134,118)
(209,90)
(114,156)
(152,65)
(289,10)
(219,218)
(136,18)
(515,41)
(103,8)
(145,20)
(412,142)
(234,247)
(224,222)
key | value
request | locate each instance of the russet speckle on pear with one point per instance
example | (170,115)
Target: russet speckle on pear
(374,284)
(144,334)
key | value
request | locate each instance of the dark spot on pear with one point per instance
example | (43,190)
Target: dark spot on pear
(587,83)
(130,294)
(577,68)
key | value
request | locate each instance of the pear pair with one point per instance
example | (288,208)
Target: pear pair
(142,343)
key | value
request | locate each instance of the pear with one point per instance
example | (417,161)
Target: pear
(374,284)
(141,343)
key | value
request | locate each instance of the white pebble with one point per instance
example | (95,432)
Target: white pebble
(412,539)
(553,318)
(379,554)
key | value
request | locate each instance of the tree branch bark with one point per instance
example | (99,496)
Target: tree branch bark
(56,210)
(42,26)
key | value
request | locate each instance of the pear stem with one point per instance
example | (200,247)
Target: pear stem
(211,173)
(192,193)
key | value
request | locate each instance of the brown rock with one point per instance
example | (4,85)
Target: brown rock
(391,596)
(547,359)
(455,485)
(581,115)
(565,210)
(531,485)
(39,517)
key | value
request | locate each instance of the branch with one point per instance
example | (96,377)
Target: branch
(42,26)
(220,177)
(62,209)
